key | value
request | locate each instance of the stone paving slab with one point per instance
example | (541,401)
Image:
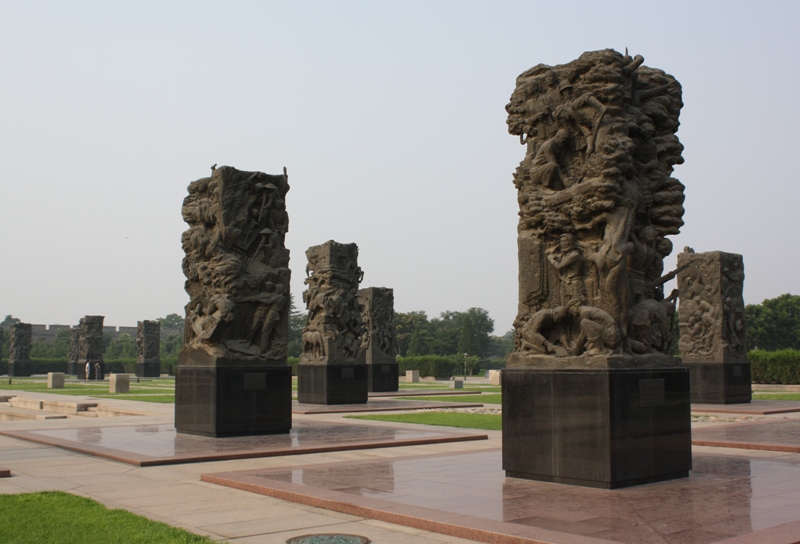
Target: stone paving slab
(150,445)
(725,499)
(756,407)
(377,405)
(781,436)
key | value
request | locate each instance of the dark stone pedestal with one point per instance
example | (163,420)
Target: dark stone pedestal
(72,368)
(148,370)
(383,377)
(19,369)
(332,384)
(720,383)
(233,400)
(605,428)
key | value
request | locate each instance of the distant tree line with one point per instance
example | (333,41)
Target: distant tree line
(774,324)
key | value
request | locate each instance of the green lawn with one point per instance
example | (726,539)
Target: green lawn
(486,422)
(54,517)
(146,390)
(776,396)
(483,399)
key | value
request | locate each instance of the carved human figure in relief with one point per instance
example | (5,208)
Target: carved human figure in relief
(535,333)
(569,265)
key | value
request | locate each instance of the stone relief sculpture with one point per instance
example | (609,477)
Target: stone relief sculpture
(377,316)
(333,332)
(74,344)
(148,341)
(597,203)
(20,340)
(91,341)
(711,311)
(236,265)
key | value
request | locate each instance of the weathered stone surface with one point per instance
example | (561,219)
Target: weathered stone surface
(74,348)
(711,311)
(119,383)
(597,202)
(148,342)
(55,380)
(591,394)
(332,367)
(236,265)
(232,378)
(333,330)
(377,316)
(19,347)
(91,339)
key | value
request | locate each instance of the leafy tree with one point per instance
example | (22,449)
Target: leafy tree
(774,324)
(501,345)
(122,347)
(297,320)
(467,342)
(172,321)
(10,320)
(171,344)
(405,325)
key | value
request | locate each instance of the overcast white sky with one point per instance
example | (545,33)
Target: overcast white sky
(390,119)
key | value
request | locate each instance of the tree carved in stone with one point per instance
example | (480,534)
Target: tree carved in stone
(20,341)
(597,202)
(333,331)
(711,311)
(236,264)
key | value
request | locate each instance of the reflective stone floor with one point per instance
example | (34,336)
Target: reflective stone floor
(773,435)
(148,445)
(377,405)
(467,495)
(756,407)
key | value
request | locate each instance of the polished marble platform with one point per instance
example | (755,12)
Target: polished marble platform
(725,499)
(150,445)
(783,435)
(377,405)
(756,407)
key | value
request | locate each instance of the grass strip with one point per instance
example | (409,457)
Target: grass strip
(163,399)
(483,399)
(54,517)
(487,422)
(777,396)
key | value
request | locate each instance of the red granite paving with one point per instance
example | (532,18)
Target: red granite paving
(756,407)
(149,445)
(781,435)
(743,501)
(5,473)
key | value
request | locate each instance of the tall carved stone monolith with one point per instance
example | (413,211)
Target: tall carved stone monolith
(74,354)
(19,349)
(378,340)
(332,367)
(597,202)
(90,360)
(712,324)
(232,377)
(148,349)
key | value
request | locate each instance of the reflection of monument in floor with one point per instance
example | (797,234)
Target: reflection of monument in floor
(591,394)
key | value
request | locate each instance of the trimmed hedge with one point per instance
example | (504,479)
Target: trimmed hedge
(781,366)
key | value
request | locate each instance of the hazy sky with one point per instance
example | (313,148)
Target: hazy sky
(390,119)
